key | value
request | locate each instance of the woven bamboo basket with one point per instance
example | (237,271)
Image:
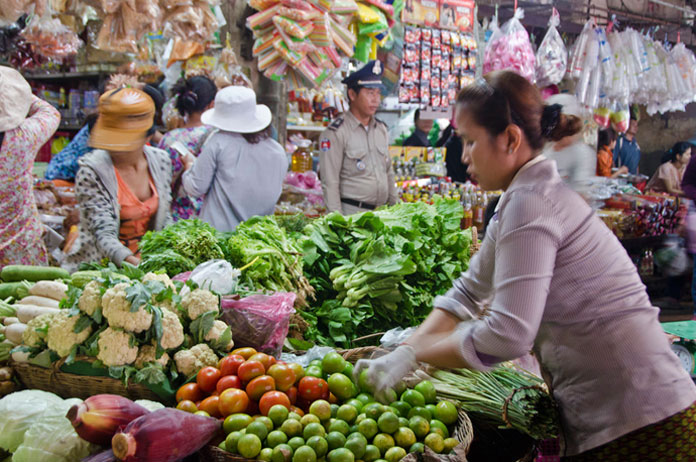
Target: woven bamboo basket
(68,385)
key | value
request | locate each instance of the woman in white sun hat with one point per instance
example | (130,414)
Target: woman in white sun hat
(26,124)
(240,170)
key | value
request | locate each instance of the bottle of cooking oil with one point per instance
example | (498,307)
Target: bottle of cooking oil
(301,158)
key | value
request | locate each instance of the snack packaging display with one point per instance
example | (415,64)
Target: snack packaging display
(509,48)
(48,37)
(552,56)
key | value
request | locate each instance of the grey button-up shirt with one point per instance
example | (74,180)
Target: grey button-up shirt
(558,282)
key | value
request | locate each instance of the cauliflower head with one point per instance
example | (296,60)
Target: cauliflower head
(37,330)
(216,334)
(115,348)
(163,278)
(172,331)
(60,337)
(189,362)
(116,310)
(91,298)
(148,354)
(200,301)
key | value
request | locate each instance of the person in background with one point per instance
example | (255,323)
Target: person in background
(668,178)
(604,356)
(241,168)
(574,159)
(123,186)
(193,97)
(627,150)
(688,185)
(158,98)
(451,141)
(606,141)
(419,137)
(26,124)
(355,168)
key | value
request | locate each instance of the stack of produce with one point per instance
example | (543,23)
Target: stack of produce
(377,270)
(315,413)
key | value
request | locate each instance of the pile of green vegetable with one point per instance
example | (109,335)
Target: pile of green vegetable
(381,269)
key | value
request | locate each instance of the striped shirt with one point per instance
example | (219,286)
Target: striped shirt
(558,282)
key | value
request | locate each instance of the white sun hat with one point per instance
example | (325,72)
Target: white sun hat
(236,111)
(15,99)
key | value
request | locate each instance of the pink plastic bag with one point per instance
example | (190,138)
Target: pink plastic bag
(260,321)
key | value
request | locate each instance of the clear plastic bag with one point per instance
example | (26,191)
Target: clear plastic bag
(552,56)
(260,321)
(511,49)
(218,276)
(51,38)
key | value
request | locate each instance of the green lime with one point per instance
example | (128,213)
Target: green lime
(388,422)
(388,396)
(321,409)
(314,371)
(340,426)
(435,442)
(421,411)
(419,425)
(373,410)
(341,455)
(341,386)
(427,389)
(266,421)
(403,422)
(315,363)
(347,413)
(249,446)
(438,427)
(354,429)
(232,440)
(294,416)
(413,397)
(450,444)
(313,429)
(365,399)
(431,408)
(348,370)
(257,428)
(335,440)
(235,422)
(395,454)
(360,418)
(417,447)
(446,412)
(334,410)
(333,362)
(357,435)
(369,428)
(275,438)
(295,443)
(308,419)
(222,445)
(401,407)
(356,446)
(364,383)
(304,454)
(266,455)
(319,444)
(278,414)
(405,437)
(371,453)
(291,428)
(383,442)
(282,453)
(357,404)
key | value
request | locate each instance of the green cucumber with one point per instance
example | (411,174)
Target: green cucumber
(14,273)
(15,290)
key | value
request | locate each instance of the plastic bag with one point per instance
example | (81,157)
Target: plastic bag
(316,352)
(50,38)
(672,259)
(396,337)
(218,276)
(260,321)
(510,49)
(552,56)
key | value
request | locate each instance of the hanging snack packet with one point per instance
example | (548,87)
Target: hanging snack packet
(511,49)
(552,56)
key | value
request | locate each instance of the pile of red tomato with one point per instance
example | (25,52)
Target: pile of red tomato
(250,382)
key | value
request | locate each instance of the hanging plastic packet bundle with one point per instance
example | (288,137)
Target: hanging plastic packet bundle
(510,49)
(552,56)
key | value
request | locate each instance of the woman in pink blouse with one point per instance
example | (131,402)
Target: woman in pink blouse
(26,123)
(668,178)
(557,282)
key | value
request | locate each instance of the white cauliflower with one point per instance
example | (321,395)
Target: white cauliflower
(172,331)
(217,333)
(189,362)
(163,278)
(116,310)
(115,348)
(148,354)
(60,337)
(37,330)
(200,301)
(91,298)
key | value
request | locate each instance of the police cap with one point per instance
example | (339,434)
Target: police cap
(368,76)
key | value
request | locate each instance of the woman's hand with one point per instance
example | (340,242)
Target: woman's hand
(133,260)
(385,372)
(187,161)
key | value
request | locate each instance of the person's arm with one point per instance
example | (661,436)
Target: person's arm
(200,172)
(39,126)
(623,170)
(330,165)
(672,189)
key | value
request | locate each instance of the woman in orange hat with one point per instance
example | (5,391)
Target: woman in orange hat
(123,187)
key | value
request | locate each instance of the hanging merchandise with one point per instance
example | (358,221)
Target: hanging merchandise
(12,10)
(509,48)
(374,19)
(48,36)
(125,22)
(552,56)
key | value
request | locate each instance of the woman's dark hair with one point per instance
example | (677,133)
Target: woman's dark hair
(254,138)
(502,98)
(194,94)
(605,137)
(416,116)
(678,149)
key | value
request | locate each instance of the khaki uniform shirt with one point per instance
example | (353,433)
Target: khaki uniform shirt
(355,164)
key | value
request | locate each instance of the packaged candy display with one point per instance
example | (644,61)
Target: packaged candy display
(509,48)
(552,56)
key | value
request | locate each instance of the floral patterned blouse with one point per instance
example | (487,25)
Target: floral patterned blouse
(21,231)
(183,206)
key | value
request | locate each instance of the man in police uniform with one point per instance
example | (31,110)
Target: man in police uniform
(355,168)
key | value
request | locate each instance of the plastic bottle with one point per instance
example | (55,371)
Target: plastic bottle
(479,208)
(301,158)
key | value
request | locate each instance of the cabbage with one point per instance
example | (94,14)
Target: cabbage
(19,411)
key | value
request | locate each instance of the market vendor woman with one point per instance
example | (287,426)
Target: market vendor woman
(556,281)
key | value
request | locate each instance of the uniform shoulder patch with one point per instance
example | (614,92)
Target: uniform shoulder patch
(336,123)
(379,121)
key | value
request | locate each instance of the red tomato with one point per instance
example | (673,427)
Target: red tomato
(292,394)
(260,385)
(298,370)
(233,401)
(253,408)
(228,381)
(211,406)
(283,375)
(263,358)
(246,353)
(229,364)
(207,378)
(297,410)
(326,395)
(313,388)
(190,392)
(250,370)
(271,398)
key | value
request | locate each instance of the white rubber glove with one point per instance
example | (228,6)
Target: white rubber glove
(385,372)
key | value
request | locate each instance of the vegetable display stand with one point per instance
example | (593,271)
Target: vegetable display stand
(69,385)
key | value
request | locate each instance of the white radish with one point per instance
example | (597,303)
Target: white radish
(26,313)
(39,301)
(14,332)
(20,356)
(8,321)
(50,289)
